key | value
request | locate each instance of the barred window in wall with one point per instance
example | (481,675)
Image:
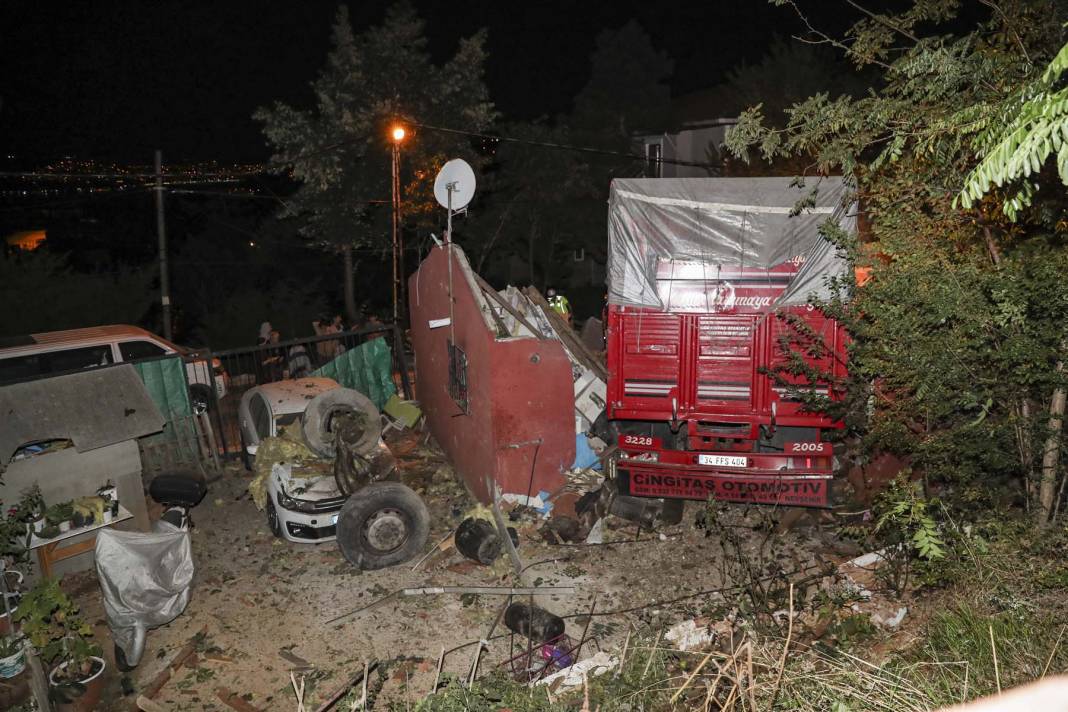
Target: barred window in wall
(458,376)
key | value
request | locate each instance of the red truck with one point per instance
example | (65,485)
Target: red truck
(709,287)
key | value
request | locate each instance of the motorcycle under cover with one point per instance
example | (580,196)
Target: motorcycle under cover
(145,579)
(732,223)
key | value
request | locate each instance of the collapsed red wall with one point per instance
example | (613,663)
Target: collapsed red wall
(520,426)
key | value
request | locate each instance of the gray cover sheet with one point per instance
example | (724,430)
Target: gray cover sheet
(725,222)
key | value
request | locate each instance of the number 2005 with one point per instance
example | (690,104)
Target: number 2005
(809,448)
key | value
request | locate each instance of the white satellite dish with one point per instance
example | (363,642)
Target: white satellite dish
(455,185)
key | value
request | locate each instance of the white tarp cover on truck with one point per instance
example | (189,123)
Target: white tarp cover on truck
(732,223)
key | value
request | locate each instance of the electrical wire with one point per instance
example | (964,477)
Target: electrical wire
(562,146)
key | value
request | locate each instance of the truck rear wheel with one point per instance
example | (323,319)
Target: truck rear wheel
(647,511)
(383,524)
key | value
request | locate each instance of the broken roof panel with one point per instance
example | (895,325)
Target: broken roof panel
(99,407)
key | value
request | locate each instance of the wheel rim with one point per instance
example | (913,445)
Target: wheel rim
(386,530)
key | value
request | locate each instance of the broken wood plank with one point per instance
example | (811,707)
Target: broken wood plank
(502,527)
(343,690)
(187,650)
(492,294)
(235,701)
(298,662)
(567,335)
(147,705)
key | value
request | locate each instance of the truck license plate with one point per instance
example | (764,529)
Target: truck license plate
(722,461)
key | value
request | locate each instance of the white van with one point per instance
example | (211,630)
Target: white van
(35,355)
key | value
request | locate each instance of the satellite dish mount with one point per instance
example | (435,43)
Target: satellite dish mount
(453,189)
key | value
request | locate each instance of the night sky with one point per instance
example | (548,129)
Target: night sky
(115,80)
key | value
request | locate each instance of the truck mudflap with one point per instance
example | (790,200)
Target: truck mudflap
(786,488)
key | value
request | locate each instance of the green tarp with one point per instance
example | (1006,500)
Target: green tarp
(164,380)
(367,368)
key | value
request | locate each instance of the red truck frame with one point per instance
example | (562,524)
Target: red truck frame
(706,401)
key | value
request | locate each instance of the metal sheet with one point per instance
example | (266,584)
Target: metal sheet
(100,407)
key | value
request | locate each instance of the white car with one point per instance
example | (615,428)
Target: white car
(37,355)
(299,509)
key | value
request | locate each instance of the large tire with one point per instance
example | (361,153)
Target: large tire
(384,524)
(646,511)
(315,423)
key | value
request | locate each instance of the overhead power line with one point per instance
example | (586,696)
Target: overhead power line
(563,146)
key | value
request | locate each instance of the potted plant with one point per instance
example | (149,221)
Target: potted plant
(32,508)
(60,515)
(12,656)
(110,494)
(62,638)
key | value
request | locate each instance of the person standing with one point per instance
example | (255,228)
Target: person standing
(559,304)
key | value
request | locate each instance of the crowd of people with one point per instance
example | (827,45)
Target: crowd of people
(296,361)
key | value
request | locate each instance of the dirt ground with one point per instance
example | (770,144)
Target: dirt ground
(266,603)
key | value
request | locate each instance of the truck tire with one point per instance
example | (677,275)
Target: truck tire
(315,422)
(647,511)
(384,524)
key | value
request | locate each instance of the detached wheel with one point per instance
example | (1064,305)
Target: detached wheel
(316,422)
(384,524)
(647,512)
(273,522)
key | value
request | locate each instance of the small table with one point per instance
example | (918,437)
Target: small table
(49,551)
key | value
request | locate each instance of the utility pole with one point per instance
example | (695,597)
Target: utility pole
(396,238)
(161,230)
(399,312)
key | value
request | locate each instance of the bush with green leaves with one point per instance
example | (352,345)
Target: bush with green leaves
(961,333)
(51,621)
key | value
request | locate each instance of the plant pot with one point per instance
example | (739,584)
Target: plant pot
(94,686)
(12,665)
(64,527)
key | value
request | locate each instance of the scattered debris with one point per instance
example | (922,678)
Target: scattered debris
(187,651)
(341,691)
(533,622)
(692,635)
(477,540)
(298,662)
(573,676)
(891,622)
(234,700)
(479,590)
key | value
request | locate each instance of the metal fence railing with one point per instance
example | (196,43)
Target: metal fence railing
(234,371)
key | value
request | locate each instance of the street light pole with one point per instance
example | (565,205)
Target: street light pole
(398,240)
(161,232)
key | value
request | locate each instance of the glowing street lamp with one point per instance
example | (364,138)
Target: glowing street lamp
(397,134)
